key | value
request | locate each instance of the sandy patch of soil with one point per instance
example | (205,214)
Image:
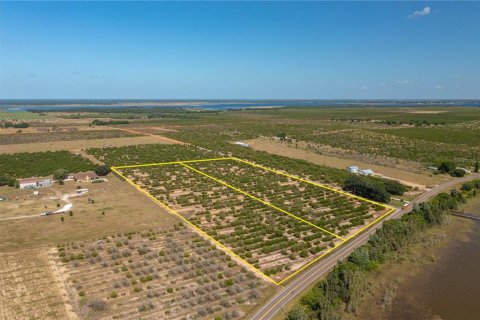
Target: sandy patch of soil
(411,177)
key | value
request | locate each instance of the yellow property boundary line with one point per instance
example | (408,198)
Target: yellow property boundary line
(257,271)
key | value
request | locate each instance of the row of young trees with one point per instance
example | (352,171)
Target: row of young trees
(340,292)
(97,122)
(16,125)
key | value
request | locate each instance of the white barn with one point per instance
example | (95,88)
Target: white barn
(34,183)
(352,169)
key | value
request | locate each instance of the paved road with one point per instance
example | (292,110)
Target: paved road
(300,283)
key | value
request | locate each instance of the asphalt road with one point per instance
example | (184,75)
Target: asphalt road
(305,279)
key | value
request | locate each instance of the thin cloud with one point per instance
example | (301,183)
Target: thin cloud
(404,81)
(437,86)
(364,88)
(422,13)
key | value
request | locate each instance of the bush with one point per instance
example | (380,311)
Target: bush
(446,167)
(102,170)
(458,173)
(298,313)
(97,305)
(60,174)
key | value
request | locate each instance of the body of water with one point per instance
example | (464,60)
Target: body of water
(448,289)
(53,105)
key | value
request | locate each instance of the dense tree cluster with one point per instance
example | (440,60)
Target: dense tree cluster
(451,168)
(339,293)
(6,180)
(367,188)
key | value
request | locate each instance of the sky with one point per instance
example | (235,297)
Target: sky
(240,50)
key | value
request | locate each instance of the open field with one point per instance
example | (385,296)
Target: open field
(81,144)
(29,289)
(117,207)
(413,177)
(169,274)
(22,116)
(278,225)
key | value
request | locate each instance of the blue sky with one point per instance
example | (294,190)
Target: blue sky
(240,50)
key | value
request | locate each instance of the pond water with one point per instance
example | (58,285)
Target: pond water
(448,289)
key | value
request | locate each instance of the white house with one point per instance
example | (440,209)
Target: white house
(352,169)
(242,144)
(367,172)
(34,183)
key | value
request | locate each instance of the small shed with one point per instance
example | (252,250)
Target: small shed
(242,144)
(352,169)
(367,172)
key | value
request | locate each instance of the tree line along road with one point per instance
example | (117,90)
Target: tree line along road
(307,278)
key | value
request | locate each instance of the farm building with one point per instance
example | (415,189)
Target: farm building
(34,183)
(242,144)
(367,172)
(352,169)
(88,176)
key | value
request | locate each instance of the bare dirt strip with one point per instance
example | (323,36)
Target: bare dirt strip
(410,177)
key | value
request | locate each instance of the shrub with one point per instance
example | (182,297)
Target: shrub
(446,167)
(97,305)
(102,170)
(458,173)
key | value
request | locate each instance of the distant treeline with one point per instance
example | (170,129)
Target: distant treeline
(97,122)
(20,125)
(340,292)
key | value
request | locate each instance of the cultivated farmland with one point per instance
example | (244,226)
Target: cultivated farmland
(173,274)
(328,209)
(21,138)
(274,223)
(25,164)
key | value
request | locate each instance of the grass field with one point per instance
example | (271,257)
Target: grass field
(22,116)
(123,209)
